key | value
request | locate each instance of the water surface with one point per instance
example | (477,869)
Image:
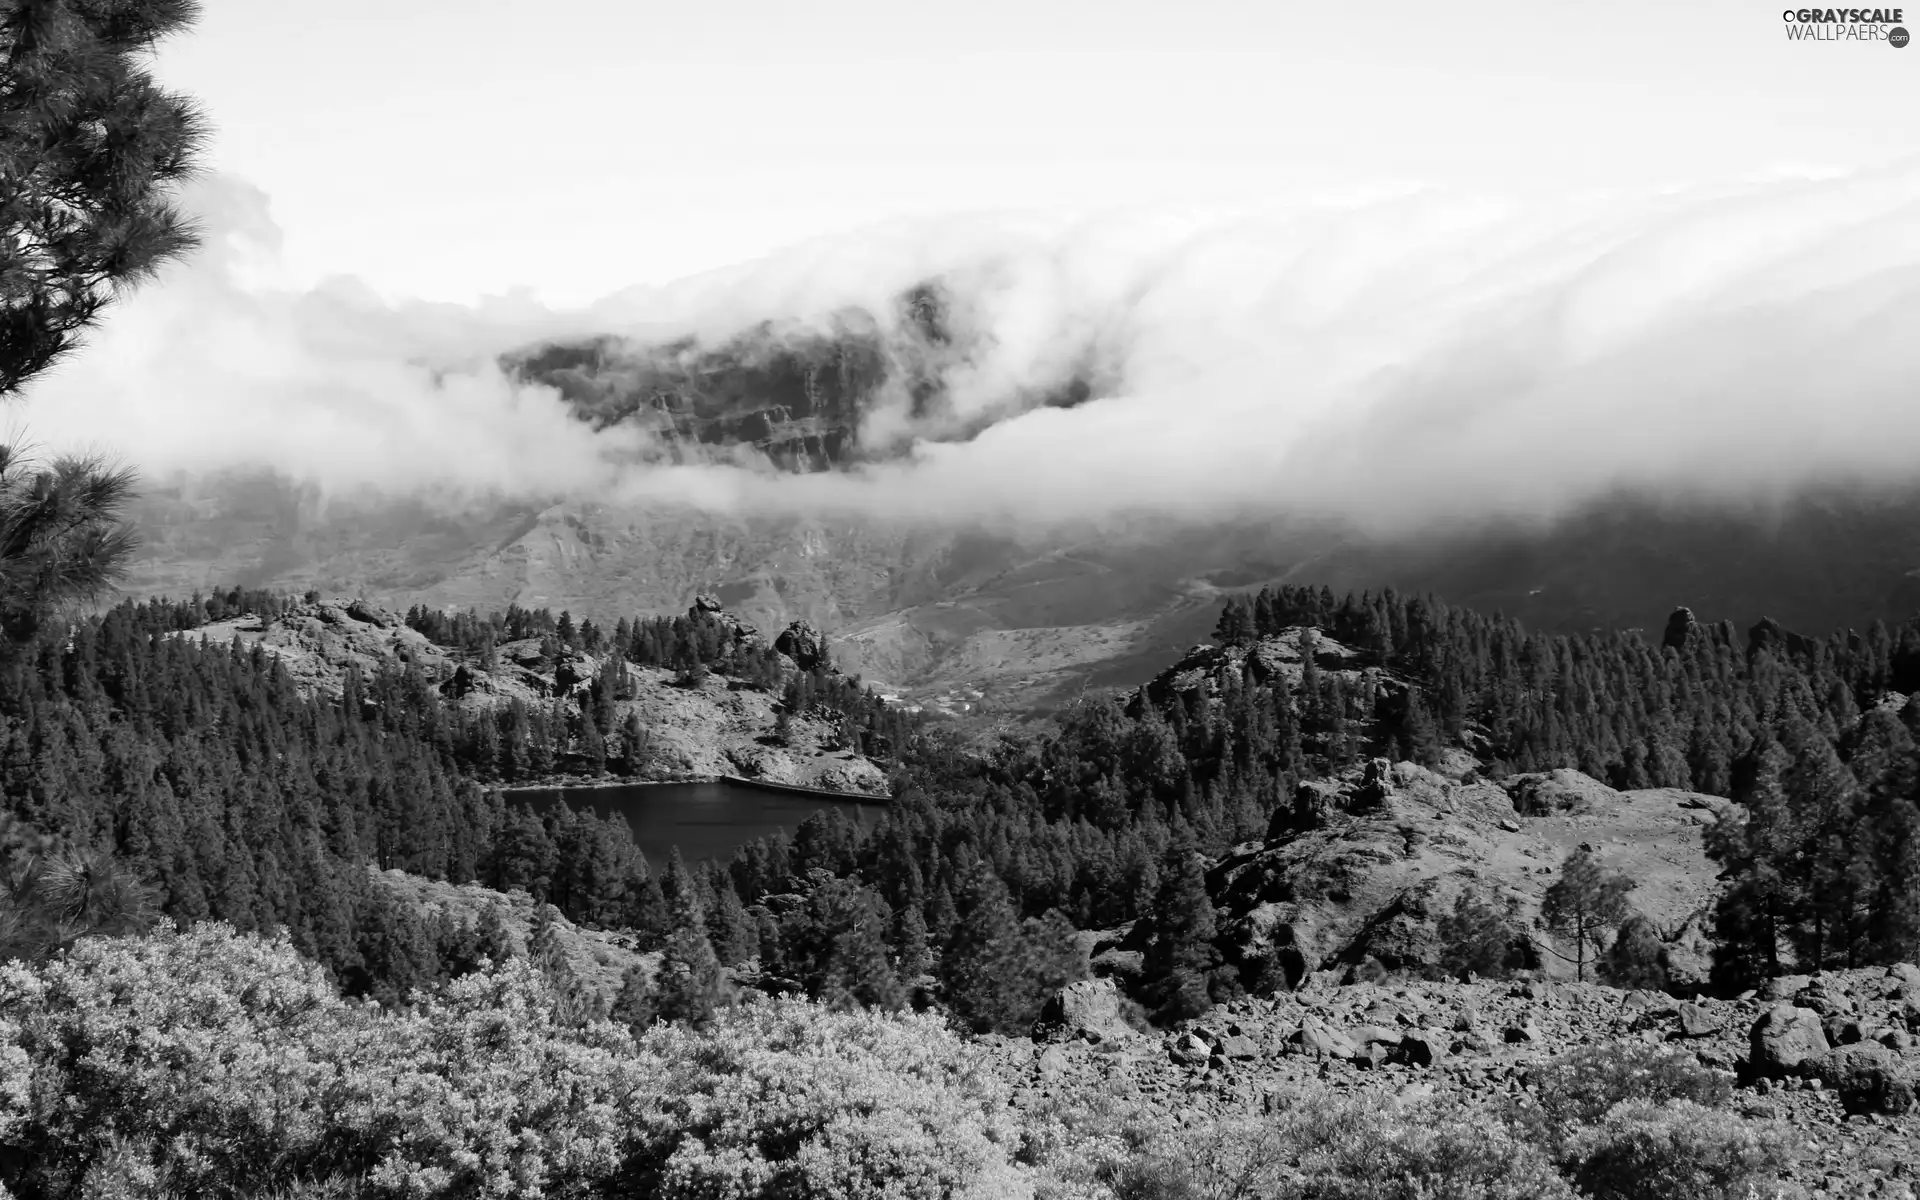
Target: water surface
(706,820)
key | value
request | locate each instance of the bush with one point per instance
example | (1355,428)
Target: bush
(209,1063)
(1675,1151)
(1315,1147)
(783,1098)
(1579,1088)
(1435,1151)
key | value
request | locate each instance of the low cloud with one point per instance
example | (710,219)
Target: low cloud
(1391,360)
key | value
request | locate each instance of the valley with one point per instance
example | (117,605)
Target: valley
(933,612)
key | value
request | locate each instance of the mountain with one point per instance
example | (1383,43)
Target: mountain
(951,612)
(940,611)
(799,394)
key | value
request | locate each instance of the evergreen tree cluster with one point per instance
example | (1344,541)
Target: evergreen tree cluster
(239,798)
(697,639)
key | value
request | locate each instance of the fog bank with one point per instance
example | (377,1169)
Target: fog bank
(1391,359)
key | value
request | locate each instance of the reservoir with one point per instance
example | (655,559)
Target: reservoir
(706,820)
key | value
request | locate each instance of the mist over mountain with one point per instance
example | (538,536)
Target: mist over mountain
(933,433)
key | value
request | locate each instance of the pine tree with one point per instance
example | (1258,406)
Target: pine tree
(942,915)
(729,928)
(1419,737)
(1763,899)
(56,898)
(1585,904)
(1634,958)
(978,967)
(1181,959)
(93,150)
(1236,624)
(908,941)
(690,984)
(1477,937)
(572,1002)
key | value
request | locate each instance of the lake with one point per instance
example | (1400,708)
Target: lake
(706,820)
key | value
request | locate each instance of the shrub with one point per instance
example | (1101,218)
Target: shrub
(209,1063)
(783,1098)
(1675,1151)
(1316,1146)
(1579,1088)
(1434,1151)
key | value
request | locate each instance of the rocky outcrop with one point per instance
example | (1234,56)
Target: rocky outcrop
(1091,1010)
(1544,793)
(1210,668)
(708,608)
(1681,629)
(699,731)
(1767,635)
(802,643)
(1362,871)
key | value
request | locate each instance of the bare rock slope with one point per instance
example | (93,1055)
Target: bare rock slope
(1365,867)
(1843,1114)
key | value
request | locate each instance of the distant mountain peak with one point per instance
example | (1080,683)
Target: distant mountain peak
(810,397)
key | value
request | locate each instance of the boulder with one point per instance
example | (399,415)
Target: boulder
(802,643)
(1239,1047)
(1784,987)
(1542,793)
(1051,1064)
(1089,1009)
(1698,1021)
(1866,1076)
(1189,1050)
(1422,1049)
(1824,999)
(1783,1038)
(1319,1040)
(372,614)
(1843,1030)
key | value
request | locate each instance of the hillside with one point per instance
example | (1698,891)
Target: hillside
(694,729)
(1264,888)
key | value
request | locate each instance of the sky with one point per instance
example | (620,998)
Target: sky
(453,149)
(1393,262)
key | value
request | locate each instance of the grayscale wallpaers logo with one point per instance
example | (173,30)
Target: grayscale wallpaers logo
(1846,25)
